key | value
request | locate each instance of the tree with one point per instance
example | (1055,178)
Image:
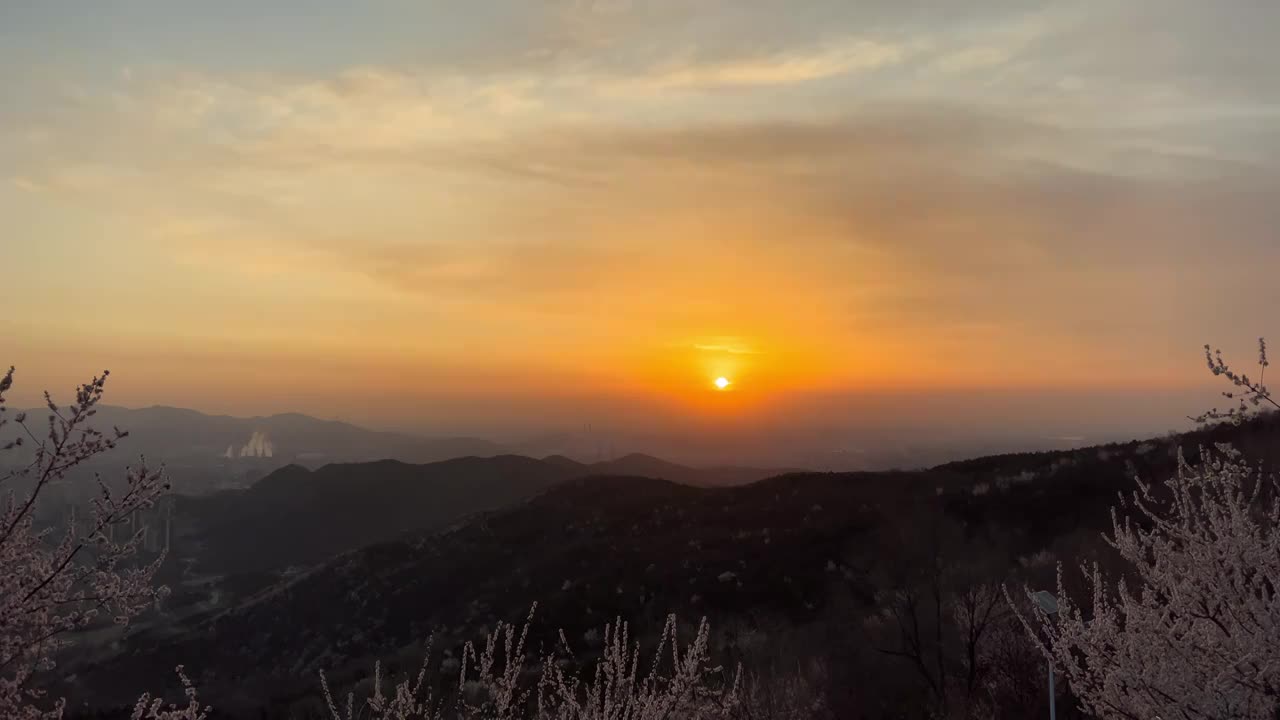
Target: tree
(939,607)
(54,583)
(1195,633)
(1250,396)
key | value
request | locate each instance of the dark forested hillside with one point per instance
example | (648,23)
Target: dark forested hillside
(298,517)
(800,550)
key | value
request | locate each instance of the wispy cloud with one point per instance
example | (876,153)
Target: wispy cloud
(733,348)
(831,60)
(26,184)
(973,58)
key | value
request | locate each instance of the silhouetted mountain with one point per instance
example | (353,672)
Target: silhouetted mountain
(641,465)
(563,461)
(297,516)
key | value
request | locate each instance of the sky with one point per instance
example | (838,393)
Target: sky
(512,216)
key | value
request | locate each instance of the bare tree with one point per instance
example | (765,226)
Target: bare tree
(976,608)
(938,611)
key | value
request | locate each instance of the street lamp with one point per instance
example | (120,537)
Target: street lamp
(1049,604)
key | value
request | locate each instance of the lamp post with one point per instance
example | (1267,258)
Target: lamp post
(1049,604)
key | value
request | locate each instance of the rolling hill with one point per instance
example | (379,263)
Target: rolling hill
(296,516)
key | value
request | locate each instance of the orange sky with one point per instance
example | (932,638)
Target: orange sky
(569,206)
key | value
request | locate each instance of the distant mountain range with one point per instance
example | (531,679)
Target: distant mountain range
(204,453)
(182,434)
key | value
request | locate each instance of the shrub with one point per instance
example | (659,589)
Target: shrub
(495,684)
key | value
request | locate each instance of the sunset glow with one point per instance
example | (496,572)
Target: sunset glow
(618,201)
(722,383)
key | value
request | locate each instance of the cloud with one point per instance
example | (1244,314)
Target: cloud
(973,58)
(732,346)
(26,184)
(840,58)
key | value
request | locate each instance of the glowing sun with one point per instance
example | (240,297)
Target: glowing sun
(722,383)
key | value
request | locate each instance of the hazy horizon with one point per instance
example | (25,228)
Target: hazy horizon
(817,433)
(881,222)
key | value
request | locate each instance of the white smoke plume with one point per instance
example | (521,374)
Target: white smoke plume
(258,446)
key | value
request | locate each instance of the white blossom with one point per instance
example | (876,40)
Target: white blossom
(1196,632)
(494,684)
(52,585)
(1251,397)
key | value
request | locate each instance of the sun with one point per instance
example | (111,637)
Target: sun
(722,383)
